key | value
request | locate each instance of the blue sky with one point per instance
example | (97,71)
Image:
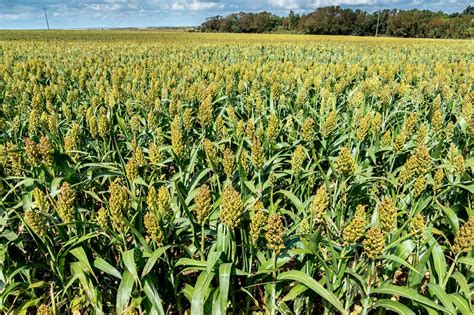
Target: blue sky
(28,14)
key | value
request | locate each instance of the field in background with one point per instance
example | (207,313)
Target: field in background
(173,172)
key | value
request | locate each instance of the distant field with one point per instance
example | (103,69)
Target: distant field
(168,172)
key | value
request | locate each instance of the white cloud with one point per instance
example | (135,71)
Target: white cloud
(313,4)
(196,5)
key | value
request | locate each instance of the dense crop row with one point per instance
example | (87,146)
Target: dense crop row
(281,174)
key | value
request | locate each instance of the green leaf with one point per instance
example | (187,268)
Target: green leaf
(452,217)
(439,261)
(393,306)
(80,254)
(399,260)
(153,296)
(124,291)
(461,303)
(305,279)
(463,284)
(152,260)
(104,266)
(466,261)
(296,202)
(407,293)
(294,292)
(435,289)
(201,292)
(129,262)
(224,281)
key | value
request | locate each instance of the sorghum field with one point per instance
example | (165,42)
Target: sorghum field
(185,173)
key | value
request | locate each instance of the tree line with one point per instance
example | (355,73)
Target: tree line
(334,20)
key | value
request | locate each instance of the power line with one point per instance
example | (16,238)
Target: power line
(46,17)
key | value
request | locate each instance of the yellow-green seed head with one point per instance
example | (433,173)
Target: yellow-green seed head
(307,130)
(418,226)
(273,127)
(319,205)
(118,205)
(221,129)
(423,159)
(356,227)
(388,215)
(32,152)
(449,131)
(177,137)
(438,179)
(258,221)
(103,126)
(376,122)
(154,153)
(410,123)
(258,153)
(188,119)
(364,125)
(210,151)
(41,202)
(345,164)
(399,142)
(231,207)
(244,160)
(422,134)
(44,309)
(203,202)
(36,222)
(464,241)
(275,233)
(66,203)
(297,159)
(102,218)
(131,169)
(45,148)
(152,227)
(374,243)
(164,201)
(305,227)
(386,138)
(205,111)
(419,186)
(329,124)
(437,120)
(228,162)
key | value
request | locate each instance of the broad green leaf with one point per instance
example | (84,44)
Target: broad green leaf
(294,292)
(393,306)
(124,291)
(463,284)
(201,292)
(466,260)
(407,293)
(152,260)
(224,283)
(129,262)
(153,296)
(80,254)
(104,266)
(305,279)
(398,260)
(462,305)
(435,289)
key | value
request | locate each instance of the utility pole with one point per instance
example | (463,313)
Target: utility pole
(46,17)
(377,28)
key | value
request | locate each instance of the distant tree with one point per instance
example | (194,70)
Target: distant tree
(334,20)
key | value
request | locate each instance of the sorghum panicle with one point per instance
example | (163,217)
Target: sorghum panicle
(275,233)
(231,207)
(374,243)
